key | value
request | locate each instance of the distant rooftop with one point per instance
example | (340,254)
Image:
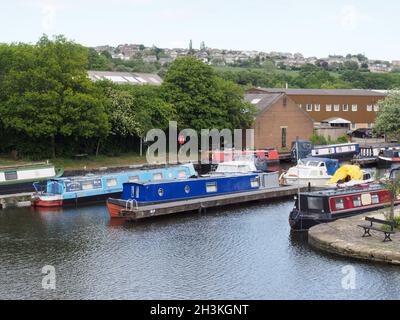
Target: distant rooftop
(126,77)
(262,101)
(326,92)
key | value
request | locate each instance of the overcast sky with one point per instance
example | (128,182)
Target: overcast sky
(312,27)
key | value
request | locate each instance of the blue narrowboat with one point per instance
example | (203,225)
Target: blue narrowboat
(168,191)
(95,188)
(345,151)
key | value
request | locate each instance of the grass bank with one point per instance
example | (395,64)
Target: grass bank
(89,162)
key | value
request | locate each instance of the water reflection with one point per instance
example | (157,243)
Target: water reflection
(242,252)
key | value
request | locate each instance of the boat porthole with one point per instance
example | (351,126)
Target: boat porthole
(160,192)
(187,189)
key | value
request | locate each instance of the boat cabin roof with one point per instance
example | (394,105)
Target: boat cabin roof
(236,167)
(325,160)
(343,192)
(200,178)
(335,145)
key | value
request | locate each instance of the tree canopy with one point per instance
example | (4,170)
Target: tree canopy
(388,115)
(46,94)
(203,99)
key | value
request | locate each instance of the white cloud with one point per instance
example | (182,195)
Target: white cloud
(350,17)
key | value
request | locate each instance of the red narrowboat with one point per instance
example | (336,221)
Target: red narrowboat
(317,207)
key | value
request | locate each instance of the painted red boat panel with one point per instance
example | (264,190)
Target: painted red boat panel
(47,204)
(225,156)
(352,202)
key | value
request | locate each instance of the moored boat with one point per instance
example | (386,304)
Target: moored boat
(315,172)
(97,188)
(20,179)
(350,175)
(312,208)
(304,149)
(218,156)
(344,151)
(141,194)
(388,157)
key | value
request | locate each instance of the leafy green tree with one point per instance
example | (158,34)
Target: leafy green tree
(98,61)
(389,112)
(202,99)
(46,94)
(393,186)
(134,110)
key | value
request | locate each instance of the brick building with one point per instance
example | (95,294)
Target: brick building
(279,120)
(358,108)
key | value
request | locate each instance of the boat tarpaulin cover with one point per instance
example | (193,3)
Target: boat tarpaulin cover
(346,173)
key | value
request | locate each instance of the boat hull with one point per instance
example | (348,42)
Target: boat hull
(114,207)
(304,182)
(300,222)
(100,198)
(384,162)
(16,188)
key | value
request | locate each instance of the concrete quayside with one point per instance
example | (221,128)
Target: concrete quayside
(343,237)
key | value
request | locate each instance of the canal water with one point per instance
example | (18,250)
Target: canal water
(245,252)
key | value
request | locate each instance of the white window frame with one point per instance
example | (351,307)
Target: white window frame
(336,107)
(376,108)
(317,107)
(345,108)
(309,107)
(328,108)
(370,107)
(354,107)
(353,126)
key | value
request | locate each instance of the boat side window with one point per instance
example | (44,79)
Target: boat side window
(315,203)
(255,182)
(134,179)
(367,176)
(157,176)
(339,203)
(211,187)
(11,175)
(137,192)
(375,198)
(357,201)
(187,189)
(182,174)
(161,192)
(87,185)
(112,182)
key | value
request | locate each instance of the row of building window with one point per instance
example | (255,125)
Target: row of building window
(336,107)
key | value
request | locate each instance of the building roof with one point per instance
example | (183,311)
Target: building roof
(265,100)
(326,92)
(262,101)
(126,77)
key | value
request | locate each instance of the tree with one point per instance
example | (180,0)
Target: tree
(202,99)
(134,110)
(46,94)
(388,115)
(392,184)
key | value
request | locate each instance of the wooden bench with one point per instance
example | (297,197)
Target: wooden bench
(370,226)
